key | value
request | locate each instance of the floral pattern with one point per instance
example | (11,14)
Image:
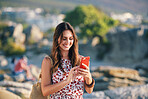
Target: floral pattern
(73,90)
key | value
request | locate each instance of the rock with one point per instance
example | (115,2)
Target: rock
(5,70)
(20,77)
(96,74)
(34,34)
(18,34)
(109,77)
(35,71)
(3,61)
(18,30)
(143,71)
(8,77)
(4,94)
(134,92)
(96,95)
(21,89)
(15,84)
(116,82)
(95,41)
(127,47)
(11,77)
(118,71)
(44,42)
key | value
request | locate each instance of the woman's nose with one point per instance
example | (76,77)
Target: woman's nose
(67,41)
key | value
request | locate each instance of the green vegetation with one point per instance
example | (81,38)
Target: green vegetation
(2,27)
(91,21)
(4,32)
(49,32)
(25,26)
(7,43)
(0,44)
(145,22)
(12,48)
(127,25)
(30,42)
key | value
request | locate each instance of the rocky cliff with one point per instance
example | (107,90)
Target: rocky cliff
(128,46)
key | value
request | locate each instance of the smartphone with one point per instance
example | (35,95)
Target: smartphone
(85,62)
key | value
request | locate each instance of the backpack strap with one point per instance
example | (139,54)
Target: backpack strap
(46,56)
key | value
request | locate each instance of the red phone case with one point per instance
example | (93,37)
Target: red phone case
(84,61)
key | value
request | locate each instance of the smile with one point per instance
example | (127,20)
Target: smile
(67,46)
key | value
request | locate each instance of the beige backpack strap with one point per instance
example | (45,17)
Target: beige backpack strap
(46,56)
(49,58)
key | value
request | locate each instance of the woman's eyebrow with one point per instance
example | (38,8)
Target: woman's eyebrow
(66,36)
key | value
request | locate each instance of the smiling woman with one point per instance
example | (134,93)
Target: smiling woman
(65,79)
(66,40)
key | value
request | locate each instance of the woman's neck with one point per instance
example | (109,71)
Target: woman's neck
(65,54)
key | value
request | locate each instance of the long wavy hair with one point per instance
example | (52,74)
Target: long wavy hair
(56,53)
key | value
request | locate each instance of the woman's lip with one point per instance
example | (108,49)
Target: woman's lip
(66,46)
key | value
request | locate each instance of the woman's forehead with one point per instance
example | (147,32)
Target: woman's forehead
(67,33)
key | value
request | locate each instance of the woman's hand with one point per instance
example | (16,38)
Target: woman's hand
(72,74)
(86,73)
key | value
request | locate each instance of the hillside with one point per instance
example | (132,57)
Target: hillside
(133,6)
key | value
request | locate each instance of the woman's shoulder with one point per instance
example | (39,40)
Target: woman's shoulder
(47,61)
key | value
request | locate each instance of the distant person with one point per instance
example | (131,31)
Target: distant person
(65,79)
(22,66)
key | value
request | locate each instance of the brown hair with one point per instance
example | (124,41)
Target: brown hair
(73,51)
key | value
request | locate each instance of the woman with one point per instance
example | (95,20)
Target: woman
(65,79)
(22,66)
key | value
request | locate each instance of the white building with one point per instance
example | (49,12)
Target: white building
(128,18)
(34,17)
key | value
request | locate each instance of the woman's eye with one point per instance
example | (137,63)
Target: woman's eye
(71,39)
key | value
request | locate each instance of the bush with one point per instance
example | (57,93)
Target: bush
(91,21)
(12,48)
(30,42)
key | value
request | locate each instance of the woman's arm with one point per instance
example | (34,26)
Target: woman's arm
(88,81)
(89,84)
(46,85)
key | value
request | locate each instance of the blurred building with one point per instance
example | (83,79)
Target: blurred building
(128,18)
(32,17)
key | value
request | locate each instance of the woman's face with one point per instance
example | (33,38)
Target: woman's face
(66,41)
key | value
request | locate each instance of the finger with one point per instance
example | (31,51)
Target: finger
(83,70)
(74,68)
(87,67)
(84,73)
(75,72)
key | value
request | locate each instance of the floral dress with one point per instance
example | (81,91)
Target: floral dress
(73,90)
